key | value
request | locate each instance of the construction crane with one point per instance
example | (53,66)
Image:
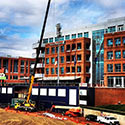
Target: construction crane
(27,104)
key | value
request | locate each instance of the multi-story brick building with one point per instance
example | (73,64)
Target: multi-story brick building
(114,59)
(96,33)
(74,61)
(17,70)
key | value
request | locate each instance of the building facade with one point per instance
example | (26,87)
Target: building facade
(96,33)
(114,59)
(74,61)
(17,70)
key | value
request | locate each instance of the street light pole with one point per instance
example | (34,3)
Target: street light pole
(58,29)
(58,65)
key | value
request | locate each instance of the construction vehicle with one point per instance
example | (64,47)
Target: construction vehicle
(28,105)
(68,110)
(73,112)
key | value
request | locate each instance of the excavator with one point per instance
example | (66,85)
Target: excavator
(27,104)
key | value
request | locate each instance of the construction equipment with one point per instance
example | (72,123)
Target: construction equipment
(27,104)
(74,112)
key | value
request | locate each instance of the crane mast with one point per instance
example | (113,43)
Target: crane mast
(38,51)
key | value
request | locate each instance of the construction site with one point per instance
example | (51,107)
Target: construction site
(69,80)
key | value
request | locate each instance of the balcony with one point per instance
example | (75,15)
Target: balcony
(39,75)
(41,55)
(35,45)
(39,65)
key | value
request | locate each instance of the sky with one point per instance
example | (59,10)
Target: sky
(21,21)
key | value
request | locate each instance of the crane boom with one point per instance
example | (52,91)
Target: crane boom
(38,51)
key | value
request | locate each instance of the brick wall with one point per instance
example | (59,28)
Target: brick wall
(106,96)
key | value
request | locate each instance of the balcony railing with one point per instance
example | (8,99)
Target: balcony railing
(39,75)
(39,65)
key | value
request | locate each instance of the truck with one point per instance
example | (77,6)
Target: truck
(108,120)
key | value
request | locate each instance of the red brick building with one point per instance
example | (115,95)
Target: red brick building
(17,70)
(114,59)
(74,61)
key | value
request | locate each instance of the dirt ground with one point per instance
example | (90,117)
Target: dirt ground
(8,117)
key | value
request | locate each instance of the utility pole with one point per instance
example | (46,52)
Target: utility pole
(58,32)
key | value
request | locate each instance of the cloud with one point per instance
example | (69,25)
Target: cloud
(21,20)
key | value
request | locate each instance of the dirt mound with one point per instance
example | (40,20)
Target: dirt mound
(11,118)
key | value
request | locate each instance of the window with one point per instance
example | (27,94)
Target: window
(11,63)
(68,58)
(110,81)
(111,29)
(52,60)
(79,57)
(6,76)
(117,67)
(26,66)
(68,48)
(117,54)
(22,66)
(87,69)
(67,37)
(62,59)
(56,39)
(123,67)
(87,57)
(47,60)
(109,42)
(53,50)
(56,70)
(73,57)
(47,70)
(78,45)
(5,65)
(110,67)
(123,53)
(87,79)
(123,39)
(117,41)
(15,77)
(11,77)
(47,50)
(86,34)
(73,46)
(73,69)
(62,38)
(110,55)
(50,40)
(15,66)
(79,35)
(62,70)
(78,68)
(118,80)
(31,69)
(56,49)
(120,27)
(62,48)
(87,46)
(52,70)
(73,36)
(45,40)
(67,69)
